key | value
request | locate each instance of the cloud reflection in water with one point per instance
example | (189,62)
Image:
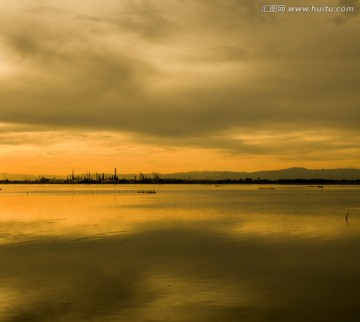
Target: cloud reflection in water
(181,273)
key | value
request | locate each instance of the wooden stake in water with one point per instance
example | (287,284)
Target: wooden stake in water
(346,218)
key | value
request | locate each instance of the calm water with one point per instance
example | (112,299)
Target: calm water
(199,253)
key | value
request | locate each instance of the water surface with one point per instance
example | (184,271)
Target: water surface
(187,253)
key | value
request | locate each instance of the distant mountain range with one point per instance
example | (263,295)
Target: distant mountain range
(291,173)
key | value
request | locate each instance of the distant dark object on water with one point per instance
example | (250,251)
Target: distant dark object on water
(346,218)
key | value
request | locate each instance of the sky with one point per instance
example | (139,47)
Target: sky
(177,85)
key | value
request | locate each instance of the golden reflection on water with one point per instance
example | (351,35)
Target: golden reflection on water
(24,216)
(186,253)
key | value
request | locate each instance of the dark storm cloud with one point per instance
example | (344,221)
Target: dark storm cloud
(143,18)
(180,70)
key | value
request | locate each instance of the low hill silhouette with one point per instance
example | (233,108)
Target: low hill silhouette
(290,174)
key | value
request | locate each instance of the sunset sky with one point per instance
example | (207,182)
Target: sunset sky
(177,85)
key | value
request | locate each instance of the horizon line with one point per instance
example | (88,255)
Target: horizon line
(72,172)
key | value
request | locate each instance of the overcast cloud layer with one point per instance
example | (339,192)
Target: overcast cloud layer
(216,74)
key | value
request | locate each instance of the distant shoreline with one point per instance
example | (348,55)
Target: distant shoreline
(246,181)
